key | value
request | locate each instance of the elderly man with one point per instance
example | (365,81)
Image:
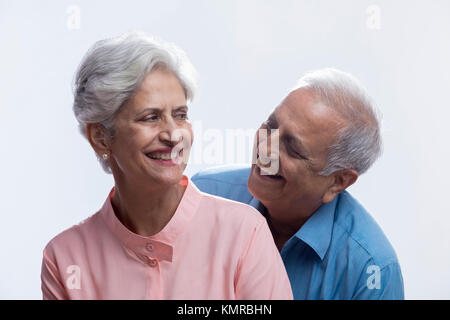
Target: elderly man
(328,134)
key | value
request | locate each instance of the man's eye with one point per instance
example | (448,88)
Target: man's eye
(295,153)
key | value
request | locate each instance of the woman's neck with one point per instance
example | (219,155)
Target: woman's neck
(146,210)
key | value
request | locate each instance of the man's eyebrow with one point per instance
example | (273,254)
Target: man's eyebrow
(287,137)
(272,121)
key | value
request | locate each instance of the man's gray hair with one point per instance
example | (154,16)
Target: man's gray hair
(358,144)
(114,68)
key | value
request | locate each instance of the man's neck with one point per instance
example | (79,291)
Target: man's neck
(146,209)
(285,220)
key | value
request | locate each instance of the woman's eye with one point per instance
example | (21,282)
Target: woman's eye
(150,118)
(181,116)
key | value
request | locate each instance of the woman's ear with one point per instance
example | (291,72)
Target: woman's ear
(342,180)
(98,138)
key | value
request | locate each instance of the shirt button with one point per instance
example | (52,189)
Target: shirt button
(149,247)
(152,262)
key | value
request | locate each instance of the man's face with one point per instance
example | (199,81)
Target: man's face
(306,128)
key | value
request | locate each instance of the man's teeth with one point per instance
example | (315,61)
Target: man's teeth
(269,174)
(275,176)
(160,156)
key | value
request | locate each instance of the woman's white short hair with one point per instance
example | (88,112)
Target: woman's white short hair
(113,69)
(358,144)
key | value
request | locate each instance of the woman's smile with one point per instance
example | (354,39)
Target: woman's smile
(165,156)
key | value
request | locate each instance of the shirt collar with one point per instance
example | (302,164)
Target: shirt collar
(161,245)
(317,230)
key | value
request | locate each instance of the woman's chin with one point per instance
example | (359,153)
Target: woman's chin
(168,177)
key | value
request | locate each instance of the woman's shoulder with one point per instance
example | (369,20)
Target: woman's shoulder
(75,237)
(230,211)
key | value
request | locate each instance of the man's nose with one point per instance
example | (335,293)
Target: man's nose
(268,146)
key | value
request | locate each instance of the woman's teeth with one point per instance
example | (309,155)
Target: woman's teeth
(160,156)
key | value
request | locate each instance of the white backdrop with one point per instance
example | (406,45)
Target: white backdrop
(247,53)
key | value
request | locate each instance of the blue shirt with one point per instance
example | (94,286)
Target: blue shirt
(339,253)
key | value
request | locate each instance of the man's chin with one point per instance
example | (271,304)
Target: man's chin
(263,188)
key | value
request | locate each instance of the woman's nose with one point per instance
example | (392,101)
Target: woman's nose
(168,131)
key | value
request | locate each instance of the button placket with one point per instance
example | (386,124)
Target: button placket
(152,262)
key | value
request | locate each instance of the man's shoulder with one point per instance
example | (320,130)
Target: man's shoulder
(225,181)
(363,231)
(229,174)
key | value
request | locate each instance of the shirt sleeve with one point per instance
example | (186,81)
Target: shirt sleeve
(51,284)
(261,274)
(381,284)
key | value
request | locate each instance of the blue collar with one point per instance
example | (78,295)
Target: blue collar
(317,230)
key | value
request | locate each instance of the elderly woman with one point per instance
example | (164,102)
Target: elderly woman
(156,236)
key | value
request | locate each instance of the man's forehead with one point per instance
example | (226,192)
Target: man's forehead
(303,108)
(308,121)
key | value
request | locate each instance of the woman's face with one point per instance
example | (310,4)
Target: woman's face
(152,135)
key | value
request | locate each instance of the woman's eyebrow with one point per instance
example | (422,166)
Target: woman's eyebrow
(158,110)
(148,109)
(181,108)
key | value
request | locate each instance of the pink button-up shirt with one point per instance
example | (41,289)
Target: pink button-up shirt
(212,248)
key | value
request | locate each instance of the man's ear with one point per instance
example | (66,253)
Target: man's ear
(342,179)
(98,138)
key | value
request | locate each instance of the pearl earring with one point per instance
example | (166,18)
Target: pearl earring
(105,156)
